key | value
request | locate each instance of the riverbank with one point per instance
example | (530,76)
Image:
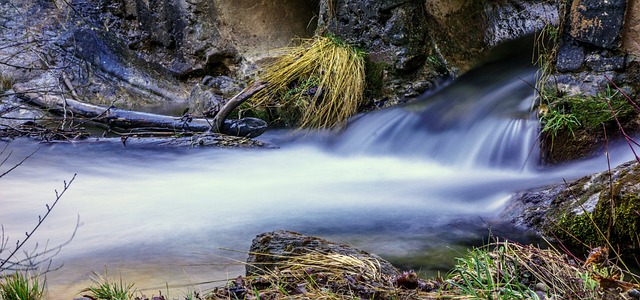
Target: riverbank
(288,265)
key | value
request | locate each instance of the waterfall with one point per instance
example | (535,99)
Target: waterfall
(484,120)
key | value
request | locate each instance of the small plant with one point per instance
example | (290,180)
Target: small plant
(507,270)
(104,289)
(489,275)
(555,121)
(319,83)
(21,286)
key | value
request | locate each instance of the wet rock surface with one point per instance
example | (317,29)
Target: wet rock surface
(572,211)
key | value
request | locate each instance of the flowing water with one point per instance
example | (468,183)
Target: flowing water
(414,184)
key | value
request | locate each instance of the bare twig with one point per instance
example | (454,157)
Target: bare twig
(41,219)
(18,164)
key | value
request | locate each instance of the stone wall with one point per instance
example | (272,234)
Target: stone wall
(590,46)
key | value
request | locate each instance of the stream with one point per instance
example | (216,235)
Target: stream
(415,184)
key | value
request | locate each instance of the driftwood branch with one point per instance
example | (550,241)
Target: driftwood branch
(125,119)
(234,102)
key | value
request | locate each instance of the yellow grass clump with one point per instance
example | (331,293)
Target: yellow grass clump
(318,84)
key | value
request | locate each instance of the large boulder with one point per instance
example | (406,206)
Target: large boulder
(269,250)
(590,210)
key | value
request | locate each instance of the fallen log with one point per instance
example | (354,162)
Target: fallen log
(126,119)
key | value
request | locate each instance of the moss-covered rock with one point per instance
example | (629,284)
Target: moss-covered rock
(587,212)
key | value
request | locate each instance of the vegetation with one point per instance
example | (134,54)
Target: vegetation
(319,83)
(104,289)
(21,286)
(506,270)
(21,278)
(501,270)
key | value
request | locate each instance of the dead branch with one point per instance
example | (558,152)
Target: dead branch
(234,102)
(119,118)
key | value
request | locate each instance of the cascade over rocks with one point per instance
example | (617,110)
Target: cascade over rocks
(416,43)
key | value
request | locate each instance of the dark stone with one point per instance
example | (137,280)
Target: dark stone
(245,127)
(597,22)
(605,62)
(527,209)
(269,249)
(570,58)
(204,102)
(109,55)
(395,30)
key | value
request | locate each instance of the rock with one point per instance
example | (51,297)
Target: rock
(269,249)
(13,113)
(597,22)
(570,57)
(245,127)
(631,32)
(582,83)
(223,85)
(485,24)
(204,102)
(572,211)
(509,20)
(605,61)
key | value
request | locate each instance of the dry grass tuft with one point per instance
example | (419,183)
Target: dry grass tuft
(502,270)
(325,276)
(318,84)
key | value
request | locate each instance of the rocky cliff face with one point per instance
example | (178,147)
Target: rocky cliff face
(161,48)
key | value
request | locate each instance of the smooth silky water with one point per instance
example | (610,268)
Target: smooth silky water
(415,184)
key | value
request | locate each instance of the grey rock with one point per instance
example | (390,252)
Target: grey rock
(585,83)
(13,113)
(204,102)
(527,209)
(508,20)
(570,57)
(223,85)
(396,29)
(542,209)
(605,62)
(269,249)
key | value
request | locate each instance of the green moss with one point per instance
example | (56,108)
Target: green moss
(625,226)
(374,78)
(5,83)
